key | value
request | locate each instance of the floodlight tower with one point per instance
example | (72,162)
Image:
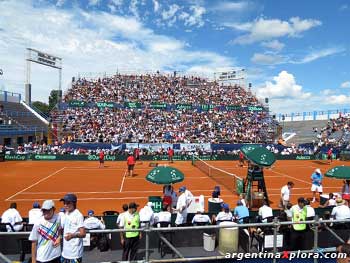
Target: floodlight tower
(44,59)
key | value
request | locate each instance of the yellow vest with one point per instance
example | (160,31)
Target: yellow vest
(134,223)
(299,216)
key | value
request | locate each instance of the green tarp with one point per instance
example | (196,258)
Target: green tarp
(339,172)
(259,155)
(165,175)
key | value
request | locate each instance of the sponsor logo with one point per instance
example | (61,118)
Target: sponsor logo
(303,157)
(45,157)
(17,157)
(95,158)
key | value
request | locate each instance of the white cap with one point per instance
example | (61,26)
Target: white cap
(150,204)
(48,204)
(318,171)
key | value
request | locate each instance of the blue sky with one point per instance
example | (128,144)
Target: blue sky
(296,53)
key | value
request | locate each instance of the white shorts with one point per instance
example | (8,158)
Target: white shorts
(316,188)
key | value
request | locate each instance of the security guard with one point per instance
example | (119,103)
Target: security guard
(130,241)
(299,214)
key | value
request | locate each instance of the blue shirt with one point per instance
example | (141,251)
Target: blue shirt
(316,179)
(240,212)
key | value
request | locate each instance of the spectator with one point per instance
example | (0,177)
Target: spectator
(35,213)
(343,253)
(341,211)
(346,190)
(200,219)
(330,202)
(316,180)
(46,235)
(92,222)
(265,212)
(73,231)
(310,211)
(285,194)
(147,215)
(130,243)
(125,208)
(12,217)
(224,215)
(241,212)
(164,215)
(170,155)
(181,207)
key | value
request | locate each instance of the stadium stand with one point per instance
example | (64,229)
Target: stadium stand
(224,122)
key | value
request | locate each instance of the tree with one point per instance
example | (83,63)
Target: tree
(54,98)
(43,107)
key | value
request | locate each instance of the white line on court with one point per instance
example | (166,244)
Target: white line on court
(302,188)
(286,175)
(121,186)
(38,182)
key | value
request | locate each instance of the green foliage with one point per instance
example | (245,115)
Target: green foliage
(43,107)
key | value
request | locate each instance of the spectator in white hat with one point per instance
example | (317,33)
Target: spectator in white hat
(316,179)
(46,235)
(92,222)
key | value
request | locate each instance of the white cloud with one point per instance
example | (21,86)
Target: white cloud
(345,84)
(338,99)
(169,14)
(343,7)
(94,2)
(314,55)
(88,42)
(327,92)
(274,44)
(133,8)
(266,29)
(267,59)
(60,3)
(156,6)
(194,19)
(284,86)
(229,6)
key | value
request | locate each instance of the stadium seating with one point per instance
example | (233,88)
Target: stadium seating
(121,124)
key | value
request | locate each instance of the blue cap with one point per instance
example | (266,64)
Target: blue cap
(62,210)
(217,188)
(182,189)
(36,205)
(91,212)
(69,198)
(225,206)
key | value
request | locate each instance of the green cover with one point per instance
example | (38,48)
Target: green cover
(165,175)
(339,172)
(259,156)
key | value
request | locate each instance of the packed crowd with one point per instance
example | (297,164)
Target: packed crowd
(162,88)
(154,125)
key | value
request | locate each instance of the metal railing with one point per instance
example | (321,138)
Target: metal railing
(314,226)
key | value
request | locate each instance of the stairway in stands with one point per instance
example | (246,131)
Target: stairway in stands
(22,117)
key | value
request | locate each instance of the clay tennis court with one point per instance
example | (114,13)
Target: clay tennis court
(108,188)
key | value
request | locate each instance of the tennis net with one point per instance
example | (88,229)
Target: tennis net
(228,180)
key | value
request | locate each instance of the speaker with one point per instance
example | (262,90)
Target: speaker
(266,100)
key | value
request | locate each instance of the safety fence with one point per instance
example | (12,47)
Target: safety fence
(236,241)
(312,115)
